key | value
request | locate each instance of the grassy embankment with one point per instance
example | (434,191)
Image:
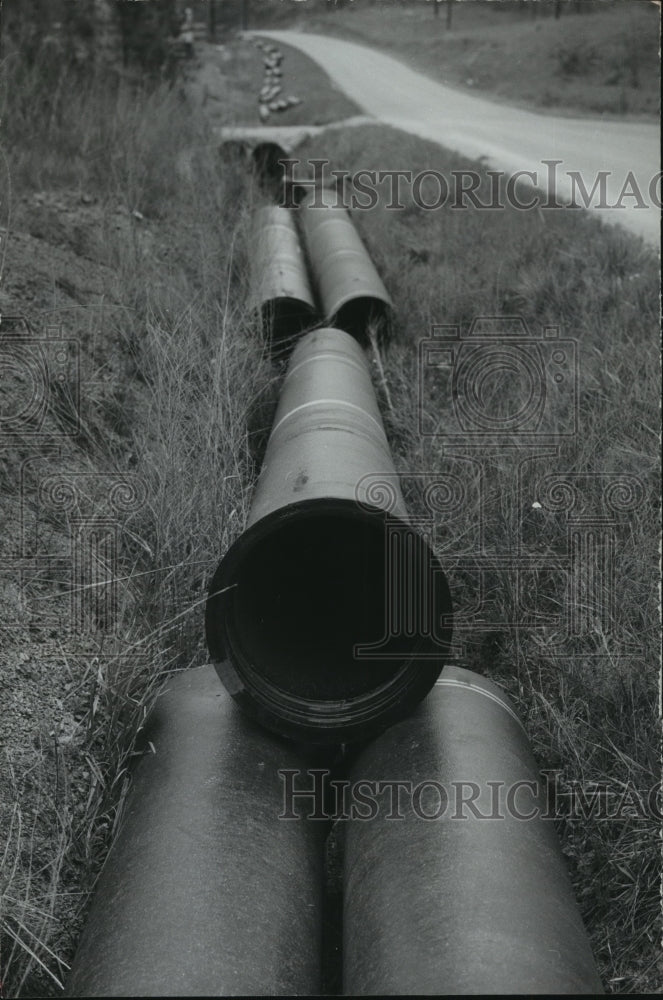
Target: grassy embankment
(320,104)
(175,365)
(588,701)
(129,185)
(123,230)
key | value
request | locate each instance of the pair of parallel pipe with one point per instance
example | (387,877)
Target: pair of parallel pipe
(207,892)
(350,292)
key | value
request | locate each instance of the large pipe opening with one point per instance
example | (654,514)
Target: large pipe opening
(358,315)
(294,598)
(305,597)
(266,157)
(286,318)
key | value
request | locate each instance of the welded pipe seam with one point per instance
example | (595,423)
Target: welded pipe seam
(329,357)
(337,427)
(343,403)
(338,252)
(451,682)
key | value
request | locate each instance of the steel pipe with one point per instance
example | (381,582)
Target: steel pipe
(261,158)
(266,158)
(306,616)
(351,291)
(279,283)
(468,893)
(205,891)
(298,183)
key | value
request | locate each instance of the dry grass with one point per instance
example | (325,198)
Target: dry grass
(179,363)
(232,94)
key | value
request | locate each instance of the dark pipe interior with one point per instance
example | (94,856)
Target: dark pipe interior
(286,318)
(356,315)
(269,170)
(306,595)
(266,156)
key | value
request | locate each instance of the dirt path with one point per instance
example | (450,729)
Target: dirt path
(507,138)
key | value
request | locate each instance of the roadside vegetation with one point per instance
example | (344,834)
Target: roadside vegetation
(124,229)
(596,57)
(232,94)
(124,232)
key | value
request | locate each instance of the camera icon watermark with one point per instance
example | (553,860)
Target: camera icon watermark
(497,384)
(39,381)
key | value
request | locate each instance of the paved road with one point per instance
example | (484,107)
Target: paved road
(509,138)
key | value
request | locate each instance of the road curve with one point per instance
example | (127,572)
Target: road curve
(509,138)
